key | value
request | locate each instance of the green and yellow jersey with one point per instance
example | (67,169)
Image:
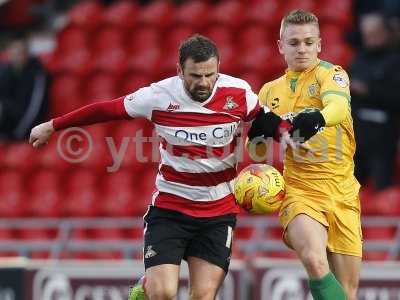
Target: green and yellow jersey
(324,86)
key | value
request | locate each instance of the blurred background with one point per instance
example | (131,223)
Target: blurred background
(56,56)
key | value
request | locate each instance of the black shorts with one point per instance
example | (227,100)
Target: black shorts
(170,236)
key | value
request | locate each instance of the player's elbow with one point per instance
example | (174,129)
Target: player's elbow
(336,111)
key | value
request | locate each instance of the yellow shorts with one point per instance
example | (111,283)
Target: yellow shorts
(340,216)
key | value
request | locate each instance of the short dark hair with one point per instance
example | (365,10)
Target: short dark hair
(197,47)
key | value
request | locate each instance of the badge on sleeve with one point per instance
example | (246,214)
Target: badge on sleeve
(341,80)
(129,97)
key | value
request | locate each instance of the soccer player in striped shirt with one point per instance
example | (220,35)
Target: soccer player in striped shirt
(198,115)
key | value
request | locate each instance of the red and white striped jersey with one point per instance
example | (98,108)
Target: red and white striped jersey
(198,142)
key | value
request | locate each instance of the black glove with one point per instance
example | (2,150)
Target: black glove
(268,125)
(306,124)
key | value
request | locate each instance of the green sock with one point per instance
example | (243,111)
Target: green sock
(327,288)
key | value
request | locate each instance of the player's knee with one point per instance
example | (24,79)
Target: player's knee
(157,290)
(315,263)
(203,293)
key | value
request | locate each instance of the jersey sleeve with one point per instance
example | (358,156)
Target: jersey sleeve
(141,102)
(263,96)
(335,81)
(253,105)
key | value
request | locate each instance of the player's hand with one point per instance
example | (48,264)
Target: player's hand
(286,141)
(41,134)
(306,124)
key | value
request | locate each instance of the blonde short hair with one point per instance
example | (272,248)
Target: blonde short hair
(298,17)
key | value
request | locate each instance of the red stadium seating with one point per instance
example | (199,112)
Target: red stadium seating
(388,201)
(19,156)
(108,38)
(133,81)
(337,12)
(157,13)
(144,38)
(12,203)
(221,35)
(81,178)
(144,62)
(228,13)
(65,94)
(82,203)
(86,14)
(76,61)
(122,14)
(265,13)
(309,5)
(176,36)
(47,203)
(100,86)
(112,60)
(191,13)
(72,38)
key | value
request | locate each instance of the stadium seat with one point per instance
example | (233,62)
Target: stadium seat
(12,203)
(256,13)
(19,156)
(65,93)
(122,14)
(120,201)
(111,60)
(82,203)
(42,180)
(100,86)
(337,12)
(220,35)
(36,234)
(107,233)
(133,81)
(80,178)
(175,37)
(107,39)
(144,38)
(6,234)
(256,59)
(46,203)
(144,62)
(71,38)
(157,13)
(86,14)
(49,157)
(379,233)
(388,201)
(191,13)
(254,79)
(253,36)
(309,5)
(76,61)
(228,60)
(228,13)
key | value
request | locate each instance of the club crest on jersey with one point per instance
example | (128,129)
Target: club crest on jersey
(129,97)
(172,106)
(230,104)
(312,90)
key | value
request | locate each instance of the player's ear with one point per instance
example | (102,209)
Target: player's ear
(179,71)
(319,46)
(280,46)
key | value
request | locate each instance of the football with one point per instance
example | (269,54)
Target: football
(259,189)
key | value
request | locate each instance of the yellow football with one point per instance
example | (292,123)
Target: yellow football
(259,189)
